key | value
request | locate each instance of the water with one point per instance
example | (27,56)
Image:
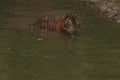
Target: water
(29,55)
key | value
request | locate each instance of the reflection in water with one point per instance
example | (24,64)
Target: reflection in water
(93,55)
(23,56)
(56,56)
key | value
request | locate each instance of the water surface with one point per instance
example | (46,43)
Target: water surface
(29,55)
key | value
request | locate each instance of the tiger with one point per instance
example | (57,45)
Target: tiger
(67,23)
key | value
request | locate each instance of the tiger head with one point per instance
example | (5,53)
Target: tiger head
(71,24)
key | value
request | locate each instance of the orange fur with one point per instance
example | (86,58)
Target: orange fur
(55,23)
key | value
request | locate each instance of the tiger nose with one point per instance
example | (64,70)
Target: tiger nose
(74,32)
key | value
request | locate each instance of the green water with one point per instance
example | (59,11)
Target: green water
(28,55)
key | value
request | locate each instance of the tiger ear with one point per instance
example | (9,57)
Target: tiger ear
(67,15)
(75,14)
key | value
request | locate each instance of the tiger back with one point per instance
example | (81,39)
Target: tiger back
(67,23)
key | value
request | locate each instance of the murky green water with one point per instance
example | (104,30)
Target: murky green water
(27,55)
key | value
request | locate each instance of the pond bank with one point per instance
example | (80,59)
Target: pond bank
(109,8)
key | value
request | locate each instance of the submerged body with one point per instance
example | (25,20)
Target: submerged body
(67,23)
